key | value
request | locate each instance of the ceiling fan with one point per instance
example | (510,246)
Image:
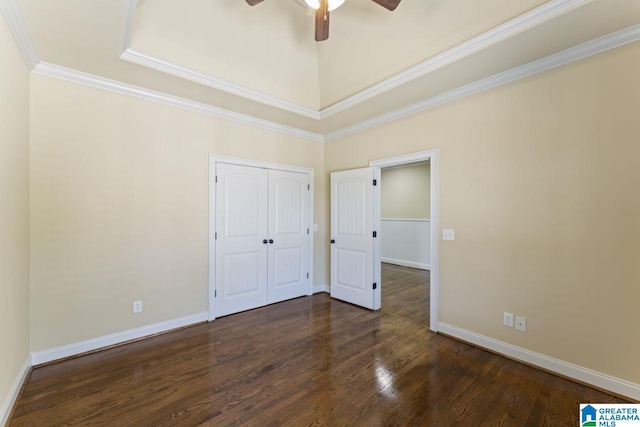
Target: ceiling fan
(323,7)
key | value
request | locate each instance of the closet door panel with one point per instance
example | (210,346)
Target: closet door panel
(241,227)
(288,229)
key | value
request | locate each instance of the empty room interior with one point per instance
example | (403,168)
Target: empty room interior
(288,212)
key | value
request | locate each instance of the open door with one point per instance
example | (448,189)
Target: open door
(355,274)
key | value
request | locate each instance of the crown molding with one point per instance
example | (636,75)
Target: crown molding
(518,24)
(155,62)
(581,51)
(64,73)
(18,27)
(175,69)
(129,18)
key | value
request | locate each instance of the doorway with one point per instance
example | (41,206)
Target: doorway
(406,274)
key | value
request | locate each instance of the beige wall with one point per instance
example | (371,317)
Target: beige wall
(14,213)
(405,192)
(119,207)
(539,179)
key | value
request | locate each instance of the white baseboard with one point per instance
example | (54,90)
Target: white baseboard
(404,263)
(44,356)
(321,288)
(588,376)
(7,406)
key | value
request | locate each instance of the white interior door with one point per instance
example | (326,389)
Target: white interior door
(353,247)
(288,273)
(241,233)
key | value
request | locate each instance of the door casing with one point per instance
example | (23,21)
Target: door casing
(407,159)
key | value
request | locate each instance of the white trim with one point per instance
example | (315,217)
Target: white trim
(576,53)
(516,25)
(259,164)
(312,190)
(129,18)
(44,356)
(20,31)
(64,73)
(585,375)
(213,159)
(406,219)
(10,401)
(321,288)
(410,158)
(175,69)
(405,263)
(377,245)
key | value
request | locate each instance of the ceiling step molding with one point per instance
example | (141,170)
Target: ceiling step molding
(18,26)
(68,74)
(516,25)
(175,69)
(564,57)
(129,18)
(549,10)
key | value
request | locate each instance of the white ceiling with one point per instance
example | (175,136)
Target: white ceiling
(263,62)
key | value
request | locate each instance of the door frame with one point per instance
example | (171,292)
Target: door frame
(213,160)
(405,160)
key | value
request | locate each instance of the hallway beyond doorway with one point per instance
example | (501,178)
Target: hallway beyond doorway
(405,292)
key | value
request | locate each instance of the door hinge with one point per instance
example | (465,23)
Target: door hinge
(307,231)
(216,236)
(216,179)
(375,182)
(307,275)
(375,234)
(215,293)
(375,286)
(309,187)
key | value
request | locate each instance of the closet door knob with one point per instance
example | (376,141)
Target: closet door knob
(271,241)
(264,241)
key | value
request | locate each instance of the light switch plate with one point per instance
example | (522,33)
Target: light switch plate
(448,234)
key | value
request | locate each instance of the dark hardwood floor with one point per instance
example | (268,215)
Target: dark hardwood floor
(310,361)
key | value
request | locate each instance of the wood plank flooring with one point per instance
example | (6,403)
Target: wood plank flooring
(312,361)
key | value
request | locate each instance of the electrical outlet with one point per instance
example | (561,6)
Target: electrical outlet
(448,234)
(137,306)
(507,319)
(521,324)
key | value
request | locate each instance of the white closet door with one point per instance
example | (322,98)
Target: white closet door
(288,235)
(352,242)
(241,227)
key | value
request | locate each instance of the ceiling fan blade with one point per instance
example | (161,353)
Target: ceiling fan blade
(387,4)
(253,2)
(322,21)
